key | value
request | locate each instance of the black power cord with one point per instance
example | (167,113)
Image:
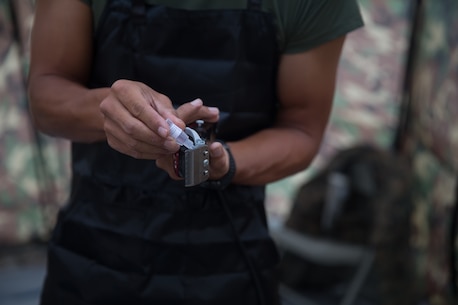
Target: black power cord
(453,247)
(254,273)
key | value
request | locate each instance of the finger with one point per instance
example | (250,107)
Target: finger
(219,160)
(167,164)
(132,137)
(132,132)
(155,145)
(196,110)
(145,104)
(119,120)
(134,152)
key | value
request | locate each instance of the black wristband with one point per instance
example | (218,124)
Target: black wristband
(224,181)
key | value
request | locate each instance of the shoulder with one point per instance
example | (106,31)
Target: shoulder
(300,24)
(97,7)
(305,24)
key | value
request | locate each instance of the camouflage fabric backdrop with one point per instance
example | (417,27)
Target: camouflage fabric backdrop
(433,145)
(33,168)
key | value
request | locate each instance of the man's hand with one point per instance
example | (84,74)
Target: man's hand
(219,162)
(134,119)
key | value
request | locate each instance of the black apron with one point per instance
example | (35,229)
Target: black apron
(132,235)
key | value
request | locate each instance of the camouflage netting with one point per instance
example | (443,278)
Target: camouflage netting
(433,146)
(32,186)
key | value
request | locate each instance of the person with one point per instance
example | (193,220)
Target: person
(106,75)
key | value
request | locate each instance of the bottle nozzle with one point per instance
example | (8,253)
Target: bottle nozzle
(179,135)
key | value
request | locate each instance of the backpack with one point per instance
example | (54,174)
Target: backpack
(361,198)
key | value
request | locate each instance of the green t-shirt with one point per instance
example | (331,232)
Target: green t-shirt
(301,24)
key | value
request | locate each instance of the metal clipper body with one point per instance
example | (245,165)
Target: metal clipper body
(194,163)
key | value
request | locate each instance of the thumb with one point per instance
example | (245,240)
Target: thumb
(219,160)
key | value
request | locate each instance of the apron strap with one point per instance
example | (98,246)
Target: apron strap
(254,5)
(138,11)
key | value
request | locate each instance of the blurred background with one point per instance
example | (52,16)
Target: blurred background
(397,91)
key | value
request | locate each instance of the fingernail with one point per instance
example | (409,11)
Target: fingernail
(171,145)
(163,132)
(213,109)
(197,102)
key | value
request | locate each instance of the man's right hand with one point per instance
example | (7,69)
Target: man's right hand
(134,119)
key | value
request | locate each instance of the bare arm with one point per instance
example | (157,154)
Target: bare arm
(306,84)
(129,115)
(61,50)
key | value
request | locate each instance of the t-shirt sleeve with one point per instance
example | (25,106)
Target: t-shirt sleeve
(305,24)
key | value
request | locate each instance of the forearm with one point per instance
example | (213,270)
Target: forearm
(306,85)
(66,109)
(273,154)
